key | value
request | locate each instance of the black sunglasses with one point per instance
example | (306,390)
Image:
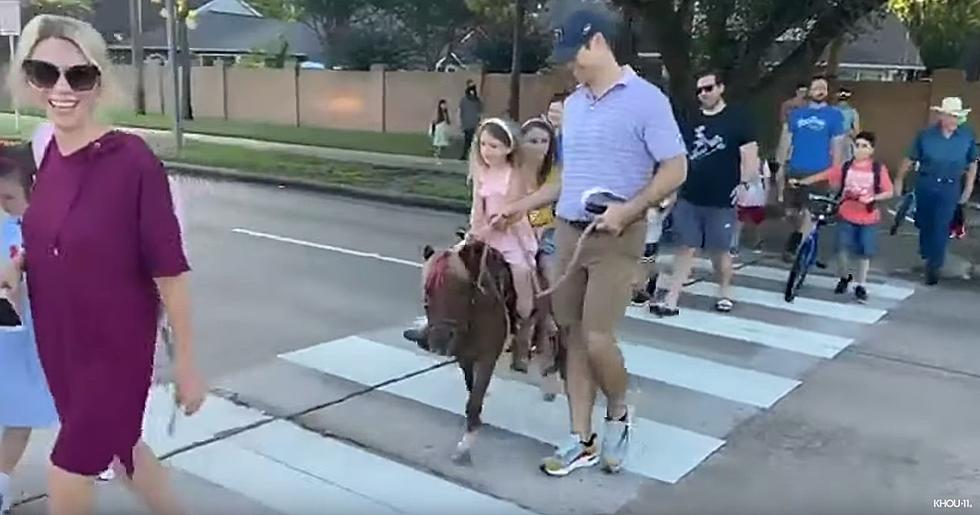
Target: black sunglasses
(705,89)
(44,75)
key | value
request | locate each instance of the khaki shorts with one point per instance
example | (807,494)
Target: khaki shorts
(598,288)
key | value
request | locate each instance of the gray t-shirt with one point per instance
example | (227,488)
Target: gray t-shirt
(470,110)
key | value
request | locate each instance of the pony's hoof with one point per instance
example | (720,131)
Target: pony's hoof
(519,366)
(549,397)
(463,458)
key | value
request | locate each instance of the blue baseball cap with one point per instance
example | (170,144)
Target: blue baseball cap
(577,29)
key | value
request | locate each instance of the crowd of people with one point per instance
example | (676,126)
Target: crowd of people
(619,145)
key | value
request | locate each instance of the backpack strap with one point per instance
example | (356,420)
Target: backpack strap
(843,176)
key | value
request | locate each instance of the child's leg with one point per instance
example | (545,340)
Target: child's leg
(842,263)
(737,235)
(13,443)
(865,249)
(524,286)
(864,264)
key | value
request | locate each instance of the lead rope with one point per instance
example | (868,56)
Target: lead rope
(571,263)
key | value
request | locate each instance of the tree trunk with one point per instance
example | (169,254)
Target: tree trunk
(515,65)
(136,39)
(184,60)
(833,57)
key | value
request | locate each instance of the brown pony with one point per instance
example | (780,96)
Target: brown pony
(470,303)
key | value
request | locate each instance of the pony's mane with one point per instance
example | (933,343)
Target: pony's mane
(437,271)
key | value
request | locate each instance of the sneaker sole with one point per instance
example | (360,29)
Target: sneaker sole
(591,462)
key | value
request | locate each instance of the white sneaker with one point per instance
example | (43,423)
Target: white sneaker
(107,474)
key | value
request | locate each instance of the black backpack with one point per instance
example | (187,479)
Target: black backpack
(875,168)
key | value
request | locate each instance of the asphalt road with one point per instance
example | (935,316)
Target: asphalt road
(299,299)
(255,298)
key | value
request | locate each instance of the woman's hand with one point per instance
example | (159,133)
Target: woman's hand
(191,387)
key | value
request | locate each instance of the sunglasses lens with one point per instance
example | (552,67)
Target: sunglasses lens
(82,78)
(41,74)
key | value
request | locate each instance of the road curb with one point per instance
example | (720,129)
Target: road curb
(403,199)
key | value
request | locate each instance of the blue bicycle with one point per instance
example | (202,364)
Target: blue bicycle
(823,212)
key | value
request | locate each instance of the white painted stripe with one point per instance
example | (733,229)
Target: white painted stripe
(658,450)
(801,305)
(885,291)
(354,470)
(727,326)
(331,248)
(701,375)
(727,382)
(278,486)
(216,416)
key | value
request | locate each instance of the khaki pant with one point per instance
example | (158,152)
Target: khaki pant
(589,306)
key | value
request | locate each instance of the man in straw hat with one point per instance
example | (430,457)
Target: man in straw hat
(945,152)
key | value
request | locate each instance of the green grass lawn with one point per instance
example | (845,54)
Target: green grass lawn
(357,175)
(387,143)
(447,186)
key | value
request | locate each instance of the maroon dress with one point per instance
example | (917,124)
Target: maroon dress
(100,228)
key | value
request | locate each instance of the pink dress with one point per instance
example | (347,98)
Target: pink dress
(100,227)
(517,243)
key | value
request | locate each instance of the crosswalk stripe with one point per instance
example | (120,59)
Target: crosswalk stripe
(659,451)
(257,463)
(885,291)
(216,415)
(369,475)
(779,275)
(727,382)
(262,479)
(702,375)
(803,305)
(769,335)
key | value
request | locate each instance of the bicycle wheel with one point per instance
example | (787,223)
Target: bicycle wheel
(797,274)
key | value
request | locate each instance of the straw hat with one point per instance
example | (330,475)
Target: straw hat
(953,106)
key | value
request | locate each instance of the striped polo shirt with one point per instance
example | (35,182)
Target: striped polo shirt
(615,141)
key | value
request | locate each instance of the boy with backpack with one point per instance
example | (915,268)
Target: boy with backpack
(861,183)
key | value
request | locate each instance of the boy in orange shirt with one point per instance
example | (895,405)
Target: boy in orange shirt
(862,182)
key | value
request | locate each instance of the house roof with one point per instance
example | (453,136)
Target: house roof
(884,42)
(878,42)
(111,17)
(219,31)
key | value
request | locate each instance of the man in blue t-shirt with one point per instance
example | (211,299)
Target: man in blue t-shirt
(816,136)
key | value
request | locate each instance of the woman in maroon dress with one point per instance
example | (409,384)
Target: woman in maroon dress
(102,247)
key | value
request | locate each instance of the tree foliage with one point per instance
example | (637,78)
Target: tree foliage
(495,51)
(762,46)
(942,29)
(434,26)
(81,9)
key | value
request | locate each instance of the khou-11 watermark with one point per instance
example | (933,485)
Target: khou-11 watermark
(952,504)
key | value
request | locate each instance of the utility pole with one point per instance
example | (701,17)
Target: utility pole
(515,65)
(136,39)
(175,71)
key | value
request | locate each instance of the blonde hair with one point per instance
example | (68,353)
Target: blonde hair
(79,33)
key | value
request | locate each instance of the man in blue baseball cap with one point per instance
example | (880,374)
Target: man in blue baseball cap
(617,129)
